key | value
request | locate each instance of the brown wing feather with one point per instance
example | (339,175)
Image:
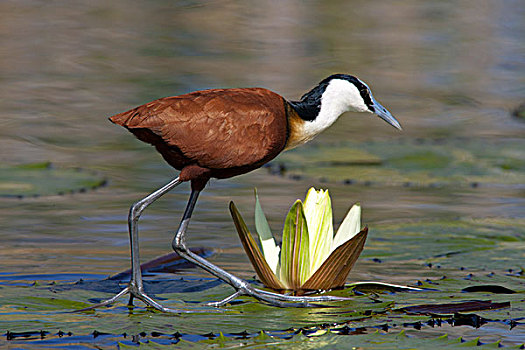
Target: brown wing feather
(216,129)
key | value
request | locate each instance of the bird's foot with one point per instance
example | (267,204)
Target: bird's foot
(296,301)
(279,300)
(225,300)
(271,298)
(133,292)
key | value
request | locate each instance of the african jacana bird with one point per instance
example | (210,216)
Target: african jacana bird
(222,133)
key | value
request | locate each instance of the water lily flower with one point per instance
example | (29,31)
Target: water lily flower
(310,257)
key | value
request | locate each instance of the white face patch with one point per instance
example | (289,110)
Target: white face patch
(340,96)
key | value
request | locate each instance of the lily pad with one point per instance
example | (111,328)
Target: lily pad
(336,338)
(420,162)
(454,244)
(452,308)
(471,254)
(43,179)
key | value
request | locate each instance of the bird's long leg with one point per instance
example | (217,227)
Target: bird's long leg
(241,286)
(136,290)
(135,287)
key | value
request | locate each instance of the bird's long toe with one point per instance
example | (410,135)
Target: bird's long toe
(107,301)
(282,300)
(146,299)
(134,293)
(279,300)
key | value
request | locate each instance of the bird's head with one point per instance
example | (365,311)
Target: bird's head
(339,93)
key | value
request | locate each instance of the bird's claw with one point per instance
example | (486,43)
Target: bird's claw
(279,300)
(133,293)
(271,298)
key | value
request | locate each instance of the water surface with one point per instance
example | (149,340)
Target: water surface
(450,72)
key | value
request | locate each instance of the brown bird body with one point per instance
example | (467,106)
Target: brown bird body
(227,132)
(213,133)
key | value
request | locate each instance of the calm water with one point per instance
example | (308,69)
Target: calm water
(446,70)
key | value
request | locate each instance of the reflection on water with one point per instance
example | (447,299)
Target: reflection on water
(445,69)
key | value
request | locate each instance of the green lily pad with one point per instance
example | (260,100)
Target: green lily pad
(460,263)
(42,179)
(337,338)
(454,244)
(423,162)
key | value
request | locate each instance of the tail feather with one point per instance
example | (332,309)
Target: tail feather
(140,123)
(145,116)
(124,118)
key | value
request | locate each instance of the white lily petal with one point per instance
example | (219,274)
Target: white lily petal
(350,227)
(318,212)
(271,253)
(269,248)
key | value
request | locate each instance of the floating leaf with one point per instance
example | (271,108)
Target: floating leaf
(456,162)
(380,287)
(42,179)
(451,308)
(170,262)
(488,288)
(51,303)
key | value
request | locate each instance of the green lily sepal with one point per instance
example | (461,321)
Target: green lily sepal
(310,257)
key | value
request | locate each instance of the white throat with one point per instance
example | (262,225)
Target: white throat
(340,96)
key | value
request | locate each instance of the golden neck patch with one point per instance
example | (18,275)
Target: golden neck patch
(296,134)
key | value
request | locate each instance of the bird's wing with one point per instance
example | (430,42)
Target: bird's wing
(217,129)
